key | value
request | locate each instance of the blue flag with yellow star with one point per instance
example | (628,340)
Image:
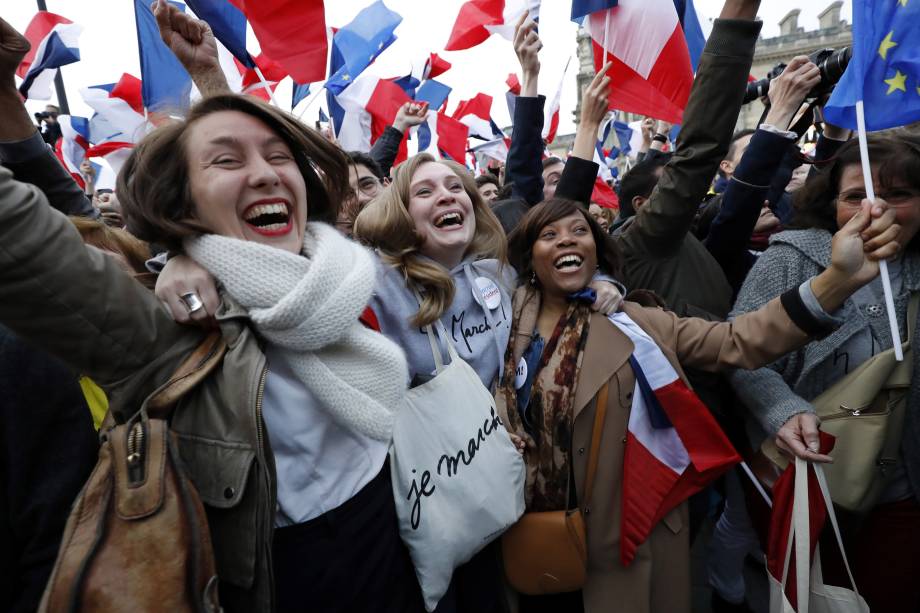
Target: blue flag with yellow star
(885,69)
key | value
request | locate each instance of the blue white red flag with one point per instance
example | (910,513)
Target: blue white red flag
(651,72)
(166,84)
(119,111)
(71,147)
(693,32)
(551,112)
(360,42)
(479,19)
(443,136)
(476,113)
(54,40)
(228,23)
(370,105)
(674,447)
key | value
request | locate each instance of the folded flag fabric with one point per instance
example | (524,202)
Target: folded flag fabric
(71,147)
(292,33)
(651,72)
(369,105)
(55,43)
(435,66)
(603,195)
(884,71)
(443,136)
(674,446)
(434,93)
(479,19)
(361,41)
(298,93)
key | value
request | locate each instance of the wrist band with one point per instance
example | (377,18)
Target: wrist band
(660,138)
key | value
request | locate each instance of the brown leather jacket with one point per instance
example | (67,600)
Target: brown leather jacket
(79,305)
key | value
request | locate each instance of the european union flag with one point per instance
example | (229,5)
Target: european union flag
(361,41)
(885,69)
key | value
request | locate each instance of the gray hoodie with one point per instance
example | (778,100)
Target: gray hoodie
(479,334)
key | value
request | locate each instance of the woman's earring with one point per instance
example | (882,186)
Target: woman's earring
(533,279)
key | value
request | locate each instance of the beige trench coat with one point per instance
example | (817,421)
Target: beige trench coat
(658,580)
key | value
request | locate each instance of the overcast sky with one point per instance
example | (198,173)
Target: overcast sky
(108,46)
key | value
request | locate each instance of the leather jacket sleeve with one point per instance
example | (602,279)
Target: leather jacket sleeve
(78,304)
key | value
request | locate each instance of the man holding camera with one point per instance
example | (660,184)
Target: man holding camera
(48,125)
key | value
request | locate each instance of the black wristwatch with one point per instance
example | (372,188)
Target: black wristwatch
(661,138)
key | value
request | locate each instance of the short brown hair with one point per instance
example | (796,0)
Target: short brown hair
(522,239)
(153,186)
(385,224)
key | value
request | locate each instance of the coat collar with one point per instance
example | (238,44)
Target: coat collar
(606,351)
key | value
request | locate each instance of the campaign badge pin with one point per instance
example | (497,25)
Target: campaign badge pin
(520,374)
(488,290)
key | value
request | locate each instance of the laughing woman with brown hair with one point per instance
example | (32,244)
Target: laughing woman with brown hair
(567,357)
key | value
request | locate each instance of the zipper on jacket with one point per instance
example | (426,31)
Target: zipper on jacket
(259,394)
(135,451)
(260,437)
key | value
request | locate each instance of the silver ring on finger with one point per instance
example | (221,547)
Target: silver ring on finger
(191,301)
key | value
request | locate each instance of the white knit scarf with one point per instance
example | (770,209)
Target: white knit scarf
(309,305)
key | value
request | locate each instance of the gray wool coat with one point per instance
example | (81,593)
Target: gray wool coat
(783,389)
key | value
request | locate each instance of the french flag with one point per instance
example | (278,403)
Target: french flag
(674,446)
(651,72)
(479,19)
(477,114)
(440,135)
(119,111)
(370,104)
(55,43)
(551,113)
(71,147)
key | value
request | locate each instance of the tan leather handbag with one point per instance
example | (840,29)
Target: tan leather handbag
(865,412)
(547,552)
(137,538)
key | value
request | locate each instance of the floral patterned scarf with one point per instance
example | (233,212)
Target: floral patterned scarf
(550,411)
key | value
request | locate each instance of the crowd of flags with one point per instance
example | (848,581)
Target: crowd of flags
(654,47)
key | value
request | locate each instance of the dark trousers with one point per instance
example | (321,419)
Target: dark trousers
(349,559)
(476,586)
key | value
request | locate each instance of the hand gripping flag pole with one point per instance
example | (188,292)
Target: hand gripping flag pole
(882,265)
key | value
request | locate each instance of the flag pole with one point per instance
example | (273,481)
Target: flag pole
(882,265)
(58,79)
(313,98)
(266,86)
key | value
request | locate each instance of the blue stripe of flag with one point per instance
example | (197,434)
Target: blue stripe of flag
(656,415)
(580,8)
(228,24)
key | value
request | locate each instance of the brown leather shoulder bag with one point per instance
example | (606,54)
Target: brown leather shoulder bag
(547,552)
(137,538)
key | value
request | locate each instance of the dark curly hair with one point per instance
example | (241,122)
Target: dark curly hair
(522,239)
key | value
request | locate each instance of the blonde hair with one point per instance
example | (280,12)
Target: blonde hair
(386,225)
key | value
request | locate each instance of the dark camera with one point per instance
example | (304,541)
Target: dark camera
(43,115)
(830,62)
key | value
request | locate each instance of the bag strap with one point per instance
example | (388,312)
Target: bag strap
(826,494)
(600,413)
(198,365)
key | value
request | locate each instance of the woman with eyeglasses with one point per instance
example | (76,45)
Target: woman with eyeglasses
(780,396)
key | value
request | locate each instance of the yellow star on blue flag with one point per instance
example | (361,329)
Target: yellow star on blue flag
(884,71)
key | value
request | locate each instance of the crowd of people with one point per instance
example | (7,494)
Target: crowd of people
(337,280)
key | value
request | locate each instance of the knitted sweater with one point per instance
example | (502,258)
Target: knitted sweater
(775,393)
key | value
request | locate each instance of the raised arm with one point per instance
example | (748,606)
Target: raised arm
(709,120)
(580,171)
(386,148)
(523,169)
(193,43)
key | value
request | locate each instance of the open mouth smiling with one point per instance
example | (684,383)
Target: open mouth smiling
(269,218)
(451,219)
(568,262)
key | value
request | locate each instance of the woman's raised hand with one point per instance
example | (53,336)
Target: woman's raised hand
(869,236)
(608,299)
(183,276)
(193,43)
